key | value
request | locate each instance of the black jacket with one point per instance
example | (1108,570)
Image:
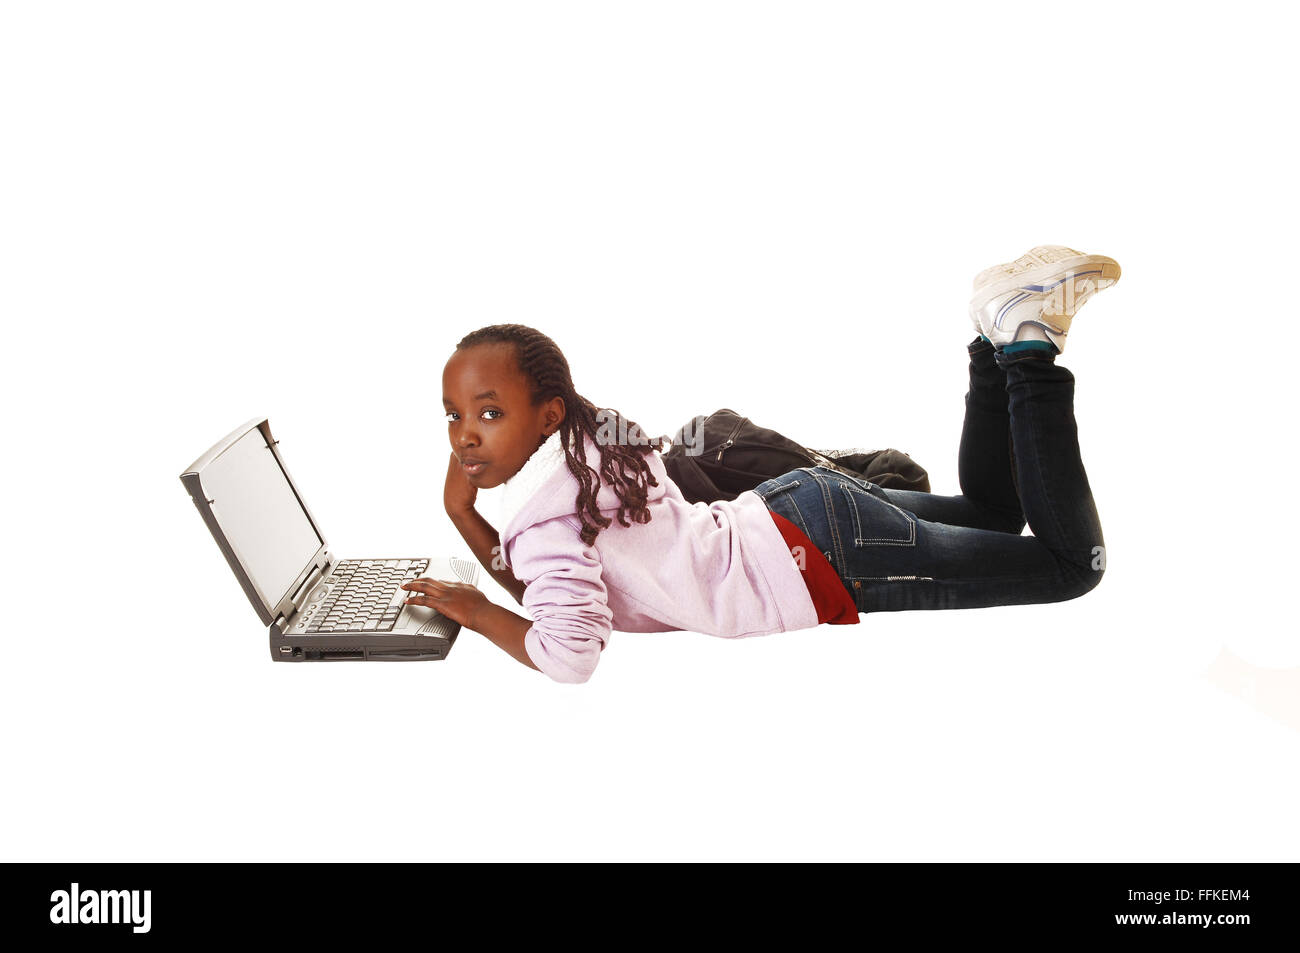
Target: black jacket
(737,455)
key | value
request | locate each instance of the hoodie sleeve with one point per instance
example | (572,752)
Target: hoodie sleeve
(566,597)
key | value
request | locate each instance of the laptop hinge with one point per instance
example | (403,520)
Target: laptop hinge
(313,579)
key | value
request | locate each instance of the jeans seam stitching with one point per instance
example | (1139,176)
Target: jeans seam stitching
(828,506)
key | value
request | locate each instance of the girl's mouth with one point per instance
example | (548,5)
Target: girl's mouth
(473,469)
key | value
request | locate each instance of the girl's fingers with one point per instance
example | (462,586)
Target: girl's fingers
(426,591)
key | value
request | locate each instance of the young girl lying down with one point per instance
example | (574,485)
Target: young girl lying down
(596,537)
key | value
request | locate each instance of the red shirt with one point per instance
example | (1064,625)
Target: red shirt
(832,598)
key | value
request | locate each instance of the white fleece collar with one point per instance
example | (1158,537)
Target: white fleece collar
(537,469)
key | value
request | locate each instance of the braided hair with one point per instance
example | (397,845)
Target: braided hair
(622,465)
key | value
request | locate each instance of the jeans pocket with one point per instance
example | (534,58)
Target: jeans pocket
(861,483)
(876,522)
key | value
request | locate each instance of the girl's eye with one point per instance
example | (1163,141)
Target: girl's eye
(451,414)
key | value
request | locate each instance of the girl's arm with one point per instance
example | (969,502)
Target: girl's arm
(567,597)
(485,543)
(504,629)
(566,594)
(467,605)
(458,497)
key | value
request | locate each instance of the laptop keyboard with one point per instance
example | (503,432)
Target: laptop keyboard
(364,595)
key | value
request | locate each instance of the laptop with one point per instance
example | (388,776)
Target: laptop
(319,608)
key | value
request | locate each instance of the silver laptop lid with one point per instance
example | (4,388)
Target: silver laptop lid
(258,518)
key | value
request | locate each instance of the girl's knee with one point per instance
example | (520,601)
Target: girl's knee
(1084,580)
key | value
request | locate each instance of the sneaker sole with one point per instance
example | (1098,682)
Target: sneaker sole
(1098,267)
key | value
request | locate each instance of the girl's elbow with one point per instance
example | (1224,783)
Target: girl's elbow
(574,675)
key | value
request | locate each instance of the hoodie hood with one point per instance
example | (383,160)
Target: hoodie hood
(545,489)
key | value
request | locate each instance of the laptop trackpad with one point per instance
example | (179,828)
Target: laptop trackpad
(427,621)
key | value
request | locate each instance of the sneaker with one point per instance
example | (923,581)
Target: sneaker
(1036,296)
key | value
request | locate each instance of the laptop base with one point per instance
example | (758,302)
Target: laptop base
(341,648)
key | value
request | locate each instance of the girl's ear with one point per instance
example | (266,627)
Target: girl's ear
(554,414)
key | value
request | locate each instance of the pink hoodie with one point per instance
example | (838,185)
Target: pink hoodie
(722,569)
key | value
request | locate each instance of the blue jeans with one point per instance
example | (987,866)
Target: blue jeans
(1018,461)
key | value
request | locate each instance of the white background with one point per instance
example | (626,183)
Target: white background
(211,212)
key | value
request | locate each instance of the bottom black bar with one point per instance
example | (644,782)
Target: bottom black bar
(648,901)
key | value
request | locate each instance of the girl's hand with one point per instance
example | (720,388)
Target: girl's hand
(458,601)
(458,494)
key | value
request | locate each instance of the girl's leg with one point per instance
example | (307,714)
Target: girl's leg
(1054,489)
(985,466)
(892,558)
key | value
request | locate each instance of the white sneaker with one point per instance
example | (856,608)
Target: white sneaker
(1036,296)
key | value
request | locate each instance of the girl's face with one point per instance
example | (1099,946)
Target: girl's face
(491,424)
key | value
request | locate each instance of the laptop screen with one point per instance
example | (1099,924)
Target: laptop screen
(260,515)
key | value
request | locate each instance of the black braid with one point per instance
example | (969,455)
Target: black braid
(542,362)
